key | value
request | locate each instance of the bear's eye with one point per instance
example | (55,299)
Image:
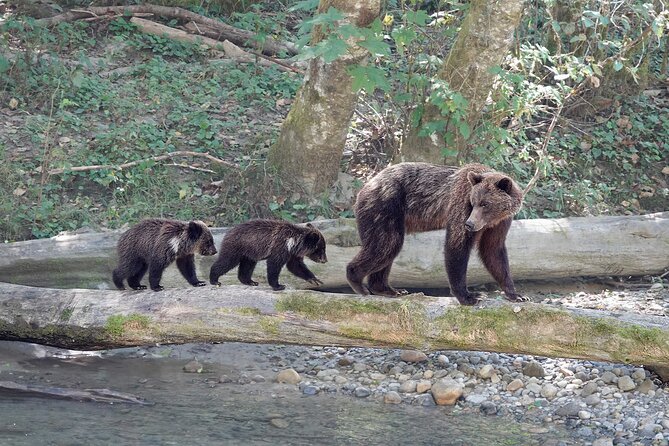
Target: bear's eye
(483,204)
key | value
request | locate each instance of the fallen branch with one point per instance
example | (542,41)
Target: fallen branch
(228,48)
(95,395)
(135,163)
(240,37)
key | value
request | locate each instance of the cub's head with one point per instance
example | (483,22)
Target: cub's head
(314,245)
(200,234)
(494,197)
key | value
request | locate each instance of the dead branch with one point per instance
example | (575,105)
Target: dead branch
(171,155)
(240,37)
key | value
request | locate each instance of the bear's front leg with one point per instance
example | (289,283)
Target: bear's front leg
(456,252)
(273,270)
(186,265)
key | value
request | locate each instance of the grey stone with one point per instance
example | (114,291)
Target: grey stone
(476,398)
(515,385)
(533,368)
(446,391)
(549,391)
(649,430)
(488,408)
(425,399)
(408,386)
(288,376)
(413,356)
(609,377)
(570,409)
(392,397)
(486,371)
(626,384)
(362,392)
(589,388)
(310,390)
(592,400)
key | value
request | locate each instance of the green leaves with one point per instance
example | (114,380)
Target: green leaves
(368,78)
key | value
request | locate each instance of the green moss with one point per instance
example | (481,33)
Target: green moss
(270,324)
(244,311)
(334,309)
(66,314)
(118,324)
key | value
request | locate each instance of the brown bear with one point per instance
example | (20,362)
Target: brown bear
(153,244)
(280,242)
(473,203)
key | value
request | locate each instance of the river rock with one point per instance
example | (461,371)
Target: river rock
(279,422)
(604,441)
(423,386)
(193,366)
(589,388)
(549,391)
(362,392)
(488,408)
(534,369)
(310,390)
(515,385)
(646,386)
(446,391)
(609,377)
(570,409)
(288,376)
(413,356)
(392,397)
(626,384)
(486,371)
(345,361)
(408,386)
(425,400)
(592,400)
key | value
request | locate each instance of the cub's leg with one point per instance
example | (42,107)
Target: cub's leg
(245,271)
(186,267)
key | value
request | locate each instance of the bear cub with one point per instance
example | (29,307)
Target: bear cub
(153,244)
(280,242)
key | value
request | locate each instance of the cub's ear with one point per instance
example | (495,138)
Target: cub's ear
(194,230)
(312,239)
(474,178)
(505,184)
(309,225)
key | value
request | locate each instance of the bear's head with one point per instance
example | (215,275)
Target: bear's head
(494,198)
(314,244)
(200,234)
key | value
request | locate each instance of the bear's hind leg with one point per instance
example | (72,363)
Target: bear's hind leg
(378,284)
(135,279)
(245,271)
(221,266)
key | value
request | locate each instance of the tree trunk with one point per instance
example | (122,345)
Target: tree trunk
(482,43)
(538,249)
(103,319)
(309,149)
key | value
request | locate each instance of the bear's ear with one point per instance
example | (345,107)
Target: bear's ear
(309,225)
(311,239)
(474,178)
(194,230)
(506,184)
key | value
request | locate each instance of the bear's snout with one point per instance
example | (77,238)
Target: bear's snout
(470,226)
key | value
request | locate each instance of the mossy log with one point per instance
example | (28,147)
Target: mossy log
(538,249)
(76,318)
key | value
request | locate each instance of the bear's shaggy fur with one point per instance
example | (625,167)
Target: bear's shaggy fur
(473,203)
(153,244)
(280,242)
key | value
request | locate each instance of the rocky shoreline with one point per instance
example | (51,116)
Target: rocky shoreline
(600,403)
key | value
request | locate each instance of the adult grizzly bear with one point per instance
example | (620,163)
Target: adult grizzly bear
(473,203)
(153,244)
(280,242)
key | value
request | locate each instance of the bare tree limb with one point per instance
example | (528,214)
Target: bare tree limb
(170,155)
(270,46)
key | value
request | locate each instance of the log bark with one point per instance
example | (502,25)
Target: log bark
(101,319)
(226,32)
(538,249)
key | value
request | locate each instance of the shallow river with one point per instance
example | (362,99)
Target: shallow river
(194,409)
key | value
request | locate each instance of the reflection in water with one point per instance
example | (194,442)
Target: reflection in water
(194,409)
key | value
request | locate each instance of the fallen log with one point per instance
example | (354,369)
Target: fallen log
(237,36)
(94,319)
(538,249)
(230,50)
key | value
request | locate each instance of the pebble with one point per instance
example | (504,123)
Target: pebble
(362,392)
(486,371)
(413,356)
(446,392)
(423,386)
(488,408)
(310,390)
(408,386)
(534,369)
(515,385)
(279,422)
(626,384)
(288,376)
(392,397)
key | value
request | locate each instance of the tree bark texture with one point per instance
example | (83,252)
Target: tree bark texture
(91,319)
(482,43)
(309,148)
(538,249)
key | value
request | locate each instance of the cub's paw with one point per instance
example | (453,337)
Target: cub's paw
(279,287)
(215,282)
(315,281)
(515,297)
(200,283)
(139,287)
(250,283)
(158,288)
